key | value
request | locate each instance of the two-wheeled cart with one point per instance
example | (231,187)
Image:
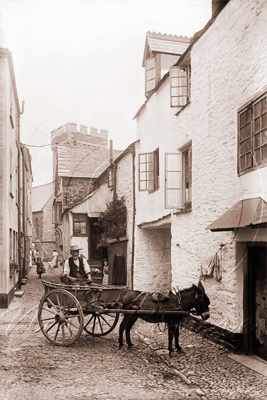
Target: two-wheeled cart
(66,310)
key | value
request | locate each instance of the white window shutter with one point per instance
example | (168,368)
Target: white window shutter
(150,74)
(173,180)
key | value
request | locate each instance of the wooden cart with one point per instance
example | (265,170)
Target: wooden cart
(66,310)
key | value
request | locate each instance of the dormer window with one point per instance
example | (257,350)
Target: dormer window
(161,52)
(180,86)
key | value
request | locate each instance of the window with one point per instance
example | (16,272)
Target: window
(180,86)
(252,129)
(187,176)
(79,224)
(149,171)
(152,65)
(110,177)
(178,179)
(10,245)
(95,236)
(10,176)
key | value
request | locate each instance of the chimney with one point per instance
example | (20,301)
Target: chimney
(83,129)
(93,131)
(217,6)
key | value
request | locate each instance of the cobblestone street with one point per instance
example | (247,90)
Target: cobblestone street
(95,368)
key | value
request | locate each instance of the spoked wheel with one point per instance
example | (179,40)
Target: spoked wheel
(60,317)
(97,324)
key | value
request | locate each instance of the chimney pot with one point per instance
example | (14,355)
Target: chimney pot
(83,128)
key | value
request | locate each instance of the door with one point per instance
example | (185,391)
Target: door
(257,264)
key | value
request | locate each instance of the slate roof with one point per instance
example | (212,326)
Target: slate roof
(83,161)
(168,44)
(41,195)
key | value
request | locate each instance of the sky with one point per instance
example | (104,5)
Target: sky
(81,61)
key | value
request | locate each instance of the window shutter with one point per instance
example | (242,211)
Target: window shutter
(173,180)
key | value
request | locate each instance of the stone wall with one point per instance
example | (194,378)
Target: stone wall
(75,190)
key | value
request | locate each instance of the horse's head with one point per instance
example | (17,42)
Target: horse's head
(201,302)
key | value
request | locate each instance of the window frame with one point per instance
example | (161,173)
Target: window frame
(187,199)
(156,68)
(79,217)
(250,106)
(179,79)
(151,171)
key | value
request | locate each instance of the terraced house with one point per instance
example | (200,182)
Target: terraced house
(201,169)
(15,187)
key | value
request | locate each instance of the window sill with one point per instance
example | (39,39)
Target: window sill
(153,191)
(182,108)
(186,209)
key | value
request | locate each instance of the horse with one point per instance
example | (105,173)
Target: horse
(184,300)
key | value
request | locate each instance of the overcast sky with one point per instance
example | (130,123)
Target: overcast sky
(81,60)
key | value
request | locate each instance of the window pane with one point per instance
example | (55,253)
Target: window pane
(257,124)
(182,81)
(242,163)
(150,63)
(249,110)
(174,102)
(263,121)
(143,185)
(182,91)
(150,176)
(264,136)
(243,119)
(257,155)
(150,157)
(257,109)
(142,176)
(143,167)
(264,152)
(174,91)
(248,160)
(182,101)
(182,72)
(257,140)
(248,130)
(243,148)
(150,74)
(142,158)
(242,133)
(174,81)
(263,105)
(150,84)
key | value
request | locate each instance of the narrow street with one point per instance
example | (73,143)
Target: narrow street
(95,368)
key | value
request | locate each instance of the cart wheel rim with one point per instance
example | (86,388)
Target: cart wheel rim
(100,324)
(60,317)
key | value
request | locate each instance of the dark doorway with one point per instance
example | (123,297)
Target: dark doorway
(255,301)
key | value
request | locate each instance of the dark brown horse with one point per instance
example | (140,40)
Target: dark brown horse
(185,300)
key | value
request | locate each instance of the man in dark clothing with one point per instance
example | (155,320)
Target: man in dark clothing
(75,267)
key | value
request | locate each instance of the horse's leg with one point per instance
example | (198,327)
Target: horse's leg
(170,336)
(122,328)
(177,324)
(129,326)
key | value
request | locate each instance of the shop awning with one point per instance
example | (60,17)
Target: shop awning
(249,212)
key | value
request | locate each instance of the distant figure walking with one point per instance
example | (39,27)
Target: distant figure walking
(55,259)
(40,269)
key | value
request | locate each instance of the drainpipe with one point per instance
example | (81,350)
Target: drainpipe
(133,228)
(19,202)
(23,215)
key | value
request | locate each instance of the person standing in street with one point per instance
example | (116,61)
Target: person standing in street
(55,260)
